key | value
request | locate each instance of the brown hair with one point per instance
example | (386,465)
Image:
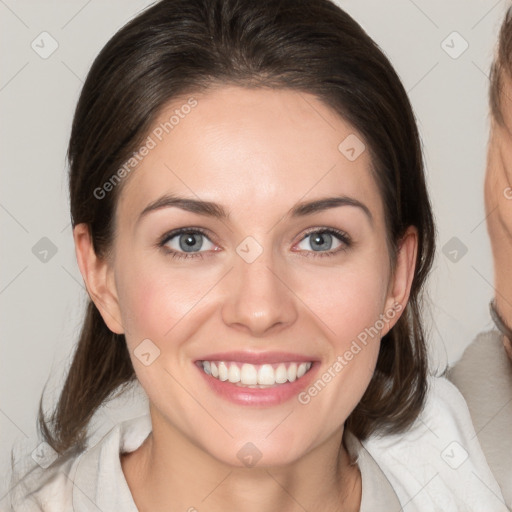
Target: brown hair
(179,46)
(501,68)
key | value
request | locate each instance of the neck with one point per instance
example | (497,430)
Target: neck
(169,471)
(501,241)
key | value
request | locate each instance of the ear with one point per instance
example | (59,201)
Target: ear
(401,278)
(98,278)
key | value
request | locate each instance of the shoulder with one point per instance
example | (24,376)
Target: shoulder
(40,488)
(484,377)
(438,464)
(80,480)
(485,358)
(377,491)
(94,478)
(484,370)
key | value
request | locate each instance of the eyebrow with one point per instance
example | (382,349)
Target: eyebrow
(215,210)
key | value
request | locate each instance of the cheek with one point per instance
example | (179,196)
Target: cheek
(350,306)
(152,302)
(347,300)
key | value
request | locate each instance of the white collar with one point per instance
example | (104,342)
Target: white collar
(99,477)
(419,464)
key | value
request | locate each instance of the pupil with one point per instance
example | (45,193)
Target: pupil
(189,241)
(319,239)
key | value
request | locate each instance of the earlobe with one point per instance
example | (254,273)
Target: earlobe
(402,278)
(95,272)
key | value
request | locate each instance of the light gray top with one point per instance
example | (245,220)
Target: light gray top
(437,464)
(484,377)
(377,492)
(96,476)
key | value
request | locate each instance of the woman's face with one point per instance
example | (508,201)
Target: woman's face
(267,280)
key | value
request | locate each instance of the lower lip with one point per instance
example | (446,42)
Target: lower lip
(265,397)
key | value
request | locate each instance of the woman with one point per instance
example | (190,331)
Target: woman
(252,224)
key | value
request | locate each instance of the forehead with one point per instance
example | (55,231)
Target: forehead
(260,148)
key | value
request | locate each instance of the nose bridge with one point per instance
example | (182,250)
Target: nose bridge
(258,298)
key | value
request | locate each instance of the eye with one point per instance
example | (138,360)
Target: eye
(321,241)
(189,242)
(185,243)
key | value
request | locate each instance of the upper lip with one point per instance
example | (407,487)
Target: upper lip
(257,357)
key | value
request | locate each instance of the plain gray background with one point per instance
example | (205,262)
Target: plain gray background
(42,301)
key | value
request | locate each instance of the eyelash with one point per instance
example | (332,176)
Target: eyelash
(340,235)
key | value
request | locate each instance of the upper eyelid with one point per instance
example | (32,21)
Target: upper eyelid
(338,231)
(180,231)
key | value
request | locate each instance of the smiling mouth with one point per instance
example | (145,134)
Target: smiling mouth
(253,375)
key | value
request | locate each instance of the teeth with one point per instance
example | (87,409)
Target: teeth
(266,375)
(292,372)
(234,373)
(281,374)
(249,374)
(244,374)
(301,370)
(223,371)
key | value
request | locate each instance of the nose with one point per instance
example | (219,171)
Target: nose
(258,297)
